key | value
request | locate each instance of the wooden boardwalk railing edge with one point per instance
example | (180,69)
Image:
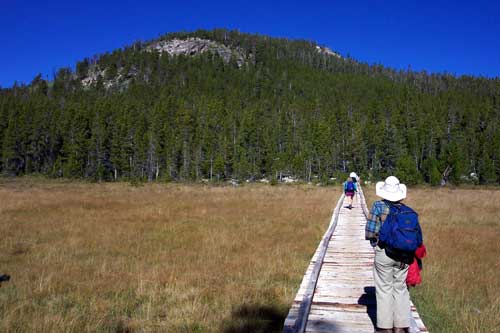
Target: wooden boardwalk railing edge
(297,319)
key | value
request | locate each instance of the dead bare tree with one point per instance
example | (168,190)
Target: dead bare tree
(446,174)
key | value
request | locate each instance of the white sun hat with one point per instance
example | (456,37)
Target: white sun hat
(391,189)
(353,174)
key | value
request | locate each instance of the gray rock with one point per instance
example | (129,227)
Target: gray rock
(194,46)
(327,51)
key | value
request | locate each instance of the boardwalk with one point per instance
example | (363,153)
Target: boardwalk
(337,293)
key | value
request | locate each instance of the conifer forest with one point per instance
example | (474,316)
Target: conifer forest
(270,108)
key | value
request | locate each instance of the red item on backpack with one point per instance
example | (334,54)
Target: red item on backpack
(413,278)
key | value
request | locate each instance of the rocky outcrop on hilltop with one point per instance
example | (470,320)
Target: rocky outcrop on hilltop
(327,51)
(120,77)
(173,47)
(194,46)
(120,81)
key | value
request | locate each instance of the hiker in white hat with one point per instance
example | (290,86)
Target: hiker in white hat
(391,261)
(354,177)
(391,189)
(350,189)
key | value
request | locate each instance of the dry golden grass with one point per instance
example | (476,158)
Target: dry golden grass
(461,275)
(112,257)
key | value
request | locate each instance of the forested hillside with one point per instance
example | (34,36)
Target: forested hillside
(249,108)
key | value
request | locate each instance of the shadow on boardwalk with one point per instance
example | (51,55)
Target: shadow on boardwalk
(368,299)
(256,318)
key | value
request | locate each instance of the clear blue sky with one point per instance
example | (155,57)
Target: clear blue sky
(459,37)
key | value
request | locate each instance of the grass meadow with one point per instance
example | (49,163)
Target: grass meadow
(161,258)
(192,258)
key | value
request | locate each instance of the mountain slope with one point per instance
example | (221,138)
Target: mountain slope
(221,104)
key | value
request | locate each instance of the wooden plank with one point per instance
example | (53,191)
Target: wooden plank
(316,320)
(354,299)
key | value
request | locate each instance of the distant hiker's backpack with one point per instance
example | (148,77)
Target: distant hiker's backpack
(401,235)
(349,187)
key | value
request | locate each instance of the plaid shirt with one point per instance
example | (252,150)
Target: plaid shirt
(377,216)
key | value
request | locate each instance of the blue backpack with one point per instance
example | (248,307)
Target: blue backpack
(349,187)
(401,234)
